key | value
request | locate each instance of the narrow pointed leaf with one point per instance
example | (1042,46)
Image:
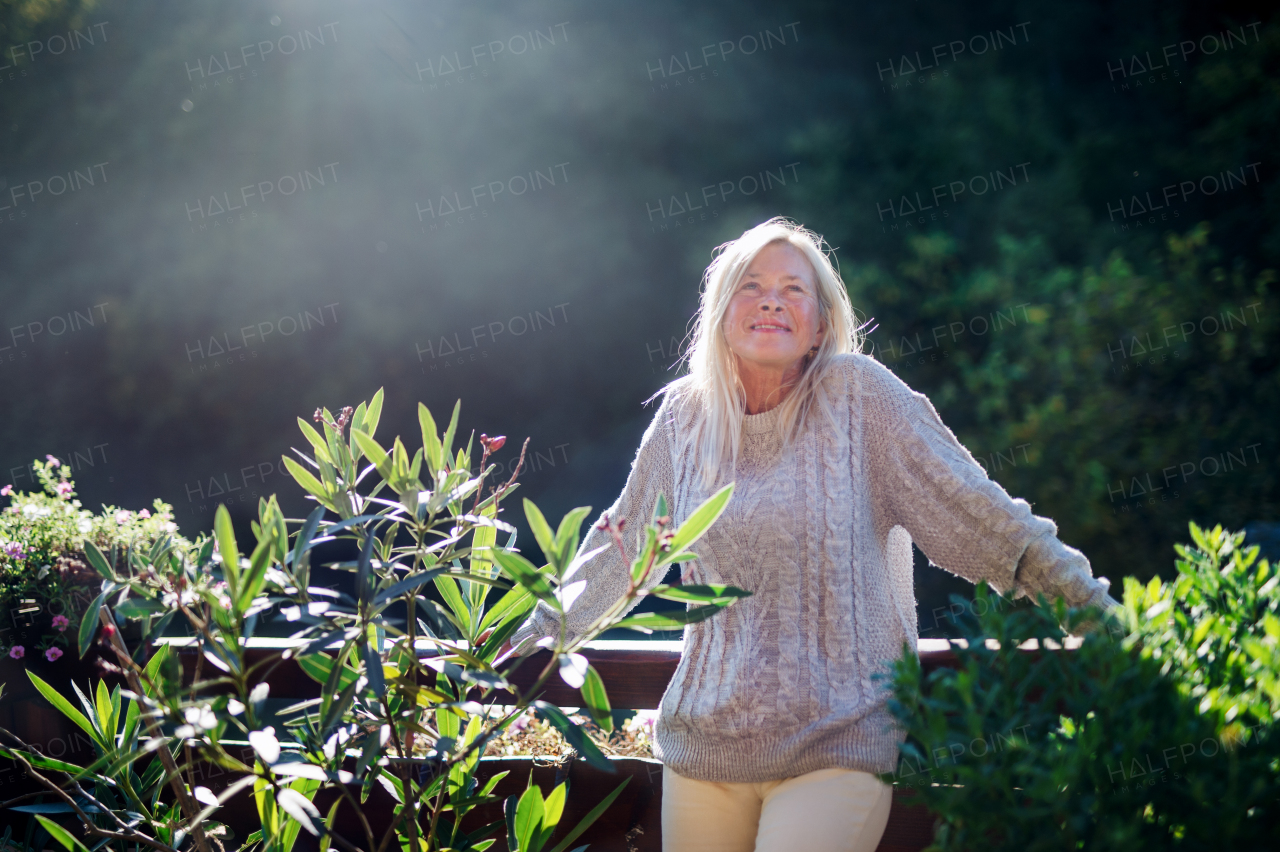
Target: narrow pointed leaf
(699,521)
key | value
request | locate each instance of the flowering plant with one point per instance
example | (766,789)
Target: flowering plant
(45,579)
(410,681)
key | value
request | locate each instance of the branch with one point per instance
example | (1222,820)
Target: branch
(188,805)
(132,836)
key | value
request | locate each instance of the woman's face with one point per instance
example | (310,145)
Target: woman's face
(773,318)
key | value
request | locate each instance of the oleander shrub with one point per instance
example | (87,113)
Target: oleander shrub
(408,681)
(1157,732)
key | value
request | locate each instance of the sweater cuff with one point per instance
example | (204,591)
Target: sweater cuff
(1051,567)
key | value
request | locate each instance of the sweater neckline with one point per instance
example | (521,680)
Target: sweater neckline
(759,424)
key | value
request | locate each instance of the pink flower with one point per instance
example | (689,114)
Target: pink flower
(17,652)
(53,461)
(63,489)
(15,550)
(61,622)
(144,513)
(52,654)
(7,491)
(122,516)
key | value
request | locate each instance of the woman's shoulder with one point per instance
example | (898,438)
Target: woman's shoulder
(863,374)
(677,404)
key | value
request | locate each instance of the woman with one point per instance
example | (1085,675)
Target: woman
(772,726)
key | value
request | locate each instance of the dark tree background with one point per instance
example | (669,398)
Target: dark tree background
(1062,219)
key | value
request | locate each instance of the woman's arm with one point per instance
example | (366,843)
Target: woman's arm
(607,573)
(964,522)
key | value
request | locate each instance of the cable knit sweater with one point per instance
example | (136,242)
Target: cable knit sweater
(820,532)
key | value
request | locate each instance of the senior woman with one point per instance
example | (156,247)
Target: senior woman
(772,727)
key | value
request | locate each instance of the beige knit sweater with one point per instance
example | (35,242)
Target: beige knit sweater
(781,683)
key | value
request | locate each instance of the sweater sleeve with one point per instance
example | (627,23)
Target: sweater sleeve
(927,482)
(607,574)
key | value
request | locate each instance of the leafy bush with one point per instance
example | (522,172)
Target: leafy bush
(1156,733)
(45,578)
(406,704)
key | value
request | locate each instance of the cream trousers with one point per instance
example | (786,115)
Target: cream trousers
(831,810)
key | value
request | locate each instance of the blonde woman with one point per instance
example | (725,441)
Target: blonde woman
(772,727)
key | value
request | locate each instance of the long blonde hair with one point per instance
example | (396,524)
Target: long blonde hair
(712,386)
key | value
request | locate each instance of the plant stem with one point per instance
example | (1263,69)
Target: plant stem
(188,805)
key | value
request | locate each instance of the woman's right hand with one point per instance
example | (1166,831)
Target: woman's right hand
(503,652)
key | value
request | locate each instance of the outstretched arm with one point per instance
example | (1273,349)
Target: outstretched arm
(962,520)
(608,573)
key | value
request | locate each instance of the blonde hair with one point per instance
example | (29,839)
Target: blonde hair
(712,386)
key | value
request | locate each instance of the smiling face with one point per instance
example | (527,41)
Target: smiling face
(773,319)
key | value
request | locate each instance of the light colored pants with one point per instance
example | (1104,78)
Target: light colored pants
(831,810)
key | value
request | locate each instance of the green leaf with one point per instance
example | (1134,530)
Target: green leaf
(529,813)
(152,670)
(89,621)
(405,586)
(574,735)
(364,567)
(596,700)
(552,810)
(375,453)
(317,443)
(430,439)
(373,414)
(305,534)
(522,571)
(698,523)
(446,444)
(510,605)
(226,537)
(97,560)
(568,531)
(319,667)
(309,483)
(660,509)
(593,815)
(140,608)
(61,835)
(541,532)
(102,705)
(373,669)
(64,706)
(449,591)
(41,762)
(299,807)
(669,620)
(701,594)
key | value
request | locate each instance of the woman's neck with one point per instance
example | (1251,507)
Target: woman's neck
(766,387)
